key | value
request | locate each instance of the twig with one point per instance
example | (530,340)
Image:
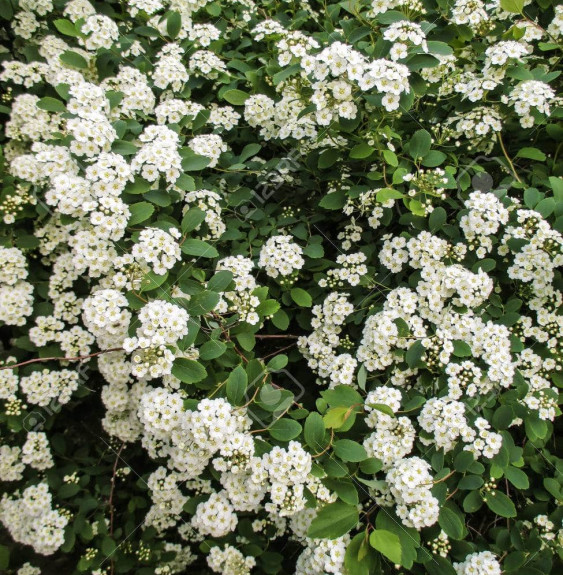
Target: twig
(505,153)
(77,358)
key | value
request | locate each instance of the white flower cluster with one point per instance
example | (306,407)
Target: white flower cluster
(206,63)
(486,215)
(537,261)
(168,500)
(11,465)
(230,560)
(216,516)
(281,256)
(159,155)
(322,556)
(319,348)
(169,69)
(404,34)
(445,420)
(531,94)
(209,203)
(101,32)
(480,563)
(287,471)
(106,316)
(240,300)
(410,483)
(157,249)
(13,266)
(209,145)
(43,386)
(30,519)
(393,437)
(352,271)
(36,451)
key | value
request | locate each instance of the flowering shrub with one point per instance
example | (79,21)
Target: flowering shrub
(280,287)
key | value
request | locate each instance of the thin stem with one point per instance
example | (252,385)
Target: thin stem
(77,358)
(505,153)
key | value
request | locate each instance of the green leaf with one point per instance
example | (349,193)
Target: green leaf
(281,320)
(192,162)
(336,417)
(73,59)
(236,97)
(248,151)
(381,407)
(193,218)
(314,251)
(349,450)
(328,158)
(440,48)
(268,308)
(386,194)
(433,159)
(333,520)
(246,340)
(277,363)
(461,349)
(173,24)
(357,561)
(199,248)
(500,504)
(314,432)
(188,370)
(67,490)
(202,302)
(285,73)
(301,297)
(212,349)
(152,281)
(108,546)
(345,489)
(470,482)
(333,201)
(361,151)
(463,461)
(514,6)
(343,395)
(124,148)
(139,186)
(387,544)
(419,144)
(220,281)
(517,477)
(67,28)
(51,105)
(391,158)
(140,212)
(451,523)
(285,429)
(532,154)
(185,182)
(414,354)
(438,565)
(236,385)
(437,219)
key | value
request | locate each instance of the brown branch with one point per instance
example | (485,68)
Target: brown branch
(77,358)
(279,350)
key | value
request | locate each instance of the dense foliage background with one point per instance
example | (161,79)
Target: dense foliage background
(280,287)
